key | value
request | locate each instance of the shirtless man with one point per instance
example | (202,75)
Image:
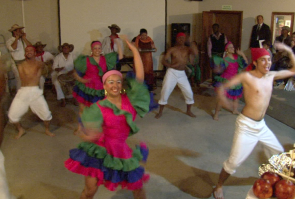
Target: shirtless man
(175,74)
(30,95)
(250,124)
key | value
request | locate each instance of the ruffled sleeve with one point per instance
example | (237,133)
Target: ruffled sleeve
(92,117)
(80,65)
(138,95)
(242,63)
(219,62)
(111,59)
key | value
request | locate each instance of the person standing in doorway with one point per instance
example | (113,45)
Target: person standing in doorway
(260,31)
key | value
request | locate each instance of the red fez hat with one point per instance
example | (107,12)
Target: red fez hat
(180,34)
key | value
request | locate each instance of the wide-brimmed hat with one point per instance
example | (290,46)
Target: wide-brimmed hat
(286,28)
(71,46)
(14,27)
(115,26)
(39,43)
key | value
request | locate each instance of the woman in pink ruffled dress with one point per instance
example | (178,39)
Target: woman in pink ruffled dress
(105,158)
(89,70)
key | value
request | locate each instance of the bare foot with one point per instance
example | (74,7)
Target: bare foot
(20,134)
(218,193)
(158,115)
(236,112)
(190,114)
(47,132)
(215,117)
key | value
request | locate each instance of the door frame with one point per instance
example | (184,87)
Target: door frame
(206,32)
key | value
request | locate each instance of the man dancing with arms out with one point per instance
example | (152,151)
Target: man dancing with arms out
(30,95)
(175,74)
(250,124)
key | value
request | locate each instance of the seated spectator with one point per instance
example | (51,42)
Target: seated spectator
(47,58)
(266,45)
(62,75)
(281,61)
(284,37)
(293,42)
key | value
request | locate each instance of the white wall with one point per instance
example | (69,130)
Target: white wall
(84,21)
(184,11)
(41,21)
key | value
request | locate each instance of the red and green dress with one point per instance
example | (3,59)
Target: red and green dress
(110,159)
(87,68)
(231,67)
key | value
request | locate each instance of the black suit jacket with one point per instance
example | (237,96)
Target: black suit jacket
(264,34)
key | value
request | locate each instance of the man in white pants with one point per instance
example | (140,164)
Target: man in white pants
(250,125)
(30,95)
(63,64)
(175,74)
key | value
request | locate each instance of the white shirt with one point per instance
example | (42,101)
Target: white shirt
(106,45)
(47,56)
(60,61)
(18,53)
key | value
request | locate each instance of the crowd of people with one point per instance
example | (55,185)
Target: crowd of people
(107,111)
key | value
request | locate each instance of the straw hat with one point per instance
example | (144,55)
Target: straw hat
(115,26)
(14,27)
(39,43)
(71,46)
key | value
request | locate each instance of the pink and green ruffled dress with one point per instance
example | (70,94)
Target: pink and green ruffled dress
(110,159)
(231,68)
(87,68)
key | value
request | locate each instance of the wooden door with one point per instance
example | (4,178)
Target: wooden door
(230,23)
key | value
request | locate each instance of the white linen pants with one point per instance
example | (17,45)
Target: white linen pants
(29,97)
(59,92)
(172,78)
(4,190)
(247,134)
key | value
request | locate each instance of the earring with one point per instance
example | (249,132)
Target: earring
(105,93)
(122,91)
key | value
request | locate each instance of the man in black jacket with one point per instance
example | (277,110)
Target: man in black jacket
(260,31)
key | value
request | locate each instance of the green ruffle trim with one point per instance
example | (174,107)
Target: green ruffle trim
(92,117)
(218,61)
(223,80)
(139,96)
(111,59)
(81,62)
(109,161)
(133,128)
(89,91)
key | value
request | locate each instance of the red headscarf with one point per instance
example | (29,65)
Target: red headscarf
(256,54)
(180,34)
(227,44)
